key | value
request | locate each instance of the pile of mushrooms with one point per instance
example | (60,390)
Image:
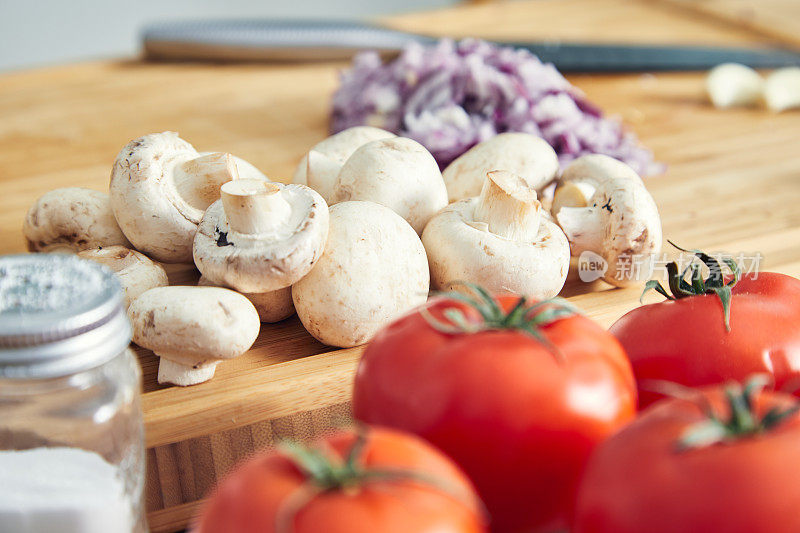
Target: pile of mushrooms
(160,189)
(341,245)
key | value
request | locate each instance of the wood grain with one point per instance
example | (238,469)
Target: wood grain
(617,21)
(777,21)
(733,184)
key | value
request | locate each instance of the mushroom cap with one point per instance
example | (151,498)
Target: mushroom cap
(146,200)
(631,226)
(332,153)
(272,306)
(72,219)
(140,199)
(136,272)
(373,269)
(461,249)
(524,154)
(194,326)
(398,173)
(263,262)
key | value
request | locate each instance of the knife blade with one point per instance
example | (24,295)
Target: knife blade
(314,40)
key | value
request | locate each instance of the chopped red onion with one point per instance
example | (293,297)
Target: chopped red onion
(451,96)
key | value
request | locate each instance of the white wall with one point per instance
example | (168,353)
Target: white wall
(44,32)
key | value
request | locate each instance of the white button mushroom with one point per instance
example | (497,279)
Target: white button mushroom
(373,269)
(320,166)
(782,89)
(732,84)
(272,306)
(523,154)
(160,187)
(261,236)
(136,272)
(499,240)
(192,329)
(607,210)
(398,173)
(72,219)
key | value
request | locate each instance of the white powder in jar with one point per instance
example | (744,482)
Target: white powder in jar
(64,490)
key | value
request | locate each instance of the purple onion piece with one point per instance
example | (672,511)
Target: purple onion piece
(451,96)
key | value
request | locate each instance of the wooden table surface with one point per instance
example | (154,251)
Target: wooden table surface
(733,184)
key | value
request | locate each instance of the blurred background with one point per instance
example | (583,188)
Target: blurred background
(46,32)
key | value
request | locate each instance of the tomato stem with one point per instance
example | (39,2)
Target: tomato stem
(742,421)
(524,317)
(325,473)
(715,283)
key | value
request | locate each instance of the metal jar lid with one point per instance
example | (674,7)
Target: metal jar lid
(59,315)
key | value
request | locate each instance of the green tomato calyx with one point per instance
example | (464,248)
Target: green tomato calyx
(525,317)
(715,283)
(742,420)
(325,471)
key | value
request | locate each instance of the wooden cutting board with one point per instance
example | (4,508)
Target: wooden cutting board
(778,21)
(733,185)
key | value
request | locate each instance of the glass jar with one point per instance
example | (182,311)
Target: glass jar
(71,434)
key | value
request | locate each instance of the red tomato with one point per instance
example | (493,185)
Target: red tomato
(401,485)
(641,481)
(685,341)
(519,415)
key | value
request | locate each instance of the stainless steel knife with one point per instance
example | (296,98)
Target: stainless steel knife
(311,40)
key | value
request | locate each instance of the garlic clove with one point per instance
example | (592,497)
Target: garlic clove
(782,89)
(732,85)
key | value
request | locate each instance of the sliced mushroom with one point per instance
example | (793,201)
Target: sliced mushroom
(499,240)
(160,187)
(272,306)
(523,154)
(374,268)
(71,219)
(192,329)
(320,166)
(606,209)
(261,236)
(398,173)
(136,272)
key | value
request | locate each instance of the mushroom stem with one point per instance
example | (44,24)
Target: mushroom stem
(509,207)
(584,227)
(198,180)
(572,194)
(171,372)
(254,206)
